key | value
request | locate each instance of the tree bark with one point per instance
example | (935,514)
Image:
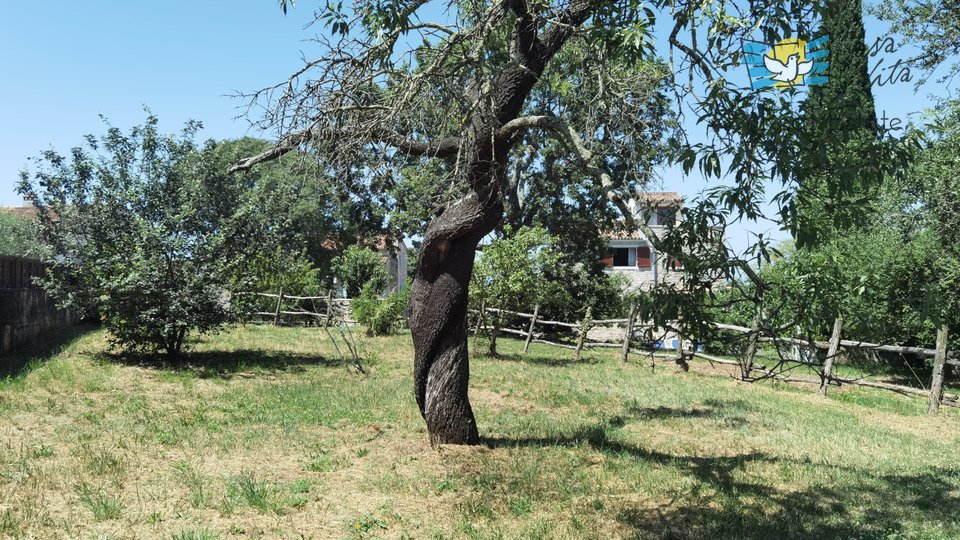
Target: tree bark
(438,319)
(494,332)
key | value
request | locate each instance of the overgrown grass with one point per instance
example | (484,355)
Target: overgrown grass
(267,433)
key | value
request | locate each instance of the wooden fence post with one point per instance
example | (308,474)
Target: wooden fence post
(681,360)
(584,328)
(533,321)
(831,355)
(936,383)
(625,352)
(495,332)
(276,313)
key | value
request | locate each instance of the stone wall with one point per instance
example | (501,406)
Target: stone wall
(642,278)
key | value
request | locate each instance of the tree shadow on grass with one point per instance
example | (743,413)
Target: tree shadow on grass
(726,503)
(243,363)
(30,355)
(543,360)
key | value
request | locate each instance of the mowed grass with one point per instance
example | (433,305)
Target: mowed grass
(268,434)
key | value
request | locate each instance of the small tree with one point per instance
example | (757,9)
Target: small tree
(511,274)
(19,237)
(149,231)
(357,266)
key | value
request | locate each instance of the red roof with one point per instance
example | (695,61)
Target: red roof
(671,198)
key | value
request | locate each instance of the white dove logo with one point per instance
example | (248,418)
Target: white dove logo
(787,72)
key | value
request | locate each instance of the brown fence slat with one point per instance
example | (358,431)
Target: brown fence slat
(18,272)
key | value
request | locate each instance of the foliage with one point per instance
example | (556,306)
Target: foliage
(840,129)
(150,232)
(579,286)
(19,237)
(893,280)
(511,273)
(282,270)
(380,316)
(359,267)
(933,26)
(313,214)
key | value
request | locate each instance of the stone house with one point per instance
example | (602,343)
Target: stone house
(631,254)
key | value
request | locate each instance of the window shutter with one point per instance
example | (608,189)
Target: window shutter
(643,257)
(608,260)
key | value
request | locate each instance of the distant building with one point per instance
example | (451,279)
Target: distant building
(631,253)
(395,258)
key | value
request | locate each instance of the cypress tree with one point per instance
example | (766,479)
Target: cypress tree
(840,124)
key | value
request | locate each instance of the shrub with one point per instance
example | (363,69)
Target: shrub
(149,232)
(358,267)
(381,317)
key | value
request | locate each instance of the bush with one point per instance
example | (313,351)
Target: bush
(150,232)
(381,317)
(358,267)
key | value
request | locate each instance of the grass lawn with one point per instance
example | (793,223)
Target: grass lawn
(269,435)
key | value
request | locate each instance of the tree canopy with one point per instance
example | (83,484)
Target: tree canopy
(438,97)
(149,232)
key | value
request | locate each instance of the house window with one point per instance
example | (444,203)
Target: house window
(621,256)
(666,215)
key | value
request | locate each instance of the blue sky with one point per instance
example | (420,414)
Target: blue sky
(67,62)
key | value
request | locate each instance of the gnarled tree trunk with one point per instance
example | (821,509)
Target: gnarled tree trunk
(438,318)
(438,314)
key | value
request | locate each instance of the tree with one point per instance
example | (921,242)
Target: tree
(358,267)
(933,26)
(368,107)
(841,124)
(511,274)
(148,231)
(895,278)
(316,216)
(19,237)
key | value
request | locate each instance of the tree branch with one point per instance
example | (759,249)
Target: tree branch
(573,142)
(445,147)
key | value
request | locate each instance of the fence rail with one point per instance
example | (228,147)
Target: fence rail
(782,364)
(325,310)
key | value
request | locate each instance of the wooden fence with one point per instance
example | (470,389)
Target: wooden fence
(332,315)
(748,363)
(579,333)
(26,311)
(18,272)
(325,310)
